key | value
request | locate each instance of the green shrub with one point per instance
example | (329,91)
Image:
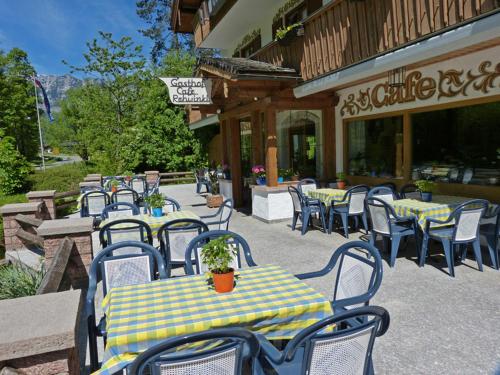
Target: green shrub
(17,280)
(14,168)
(61,178)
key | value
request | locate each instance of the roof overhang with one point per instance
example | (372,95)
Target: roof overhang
(207,121)
(182,15)
(477,32)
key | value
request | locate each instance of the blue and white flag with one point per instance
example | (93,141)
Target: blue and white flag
(45,100)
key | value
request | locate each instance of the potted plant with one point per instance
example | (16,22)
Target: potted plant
(341,180)
(114,185)
(426,187)
(226,171)
(295,176)
(259,173)
(285,35)
(155,202)
(214,199)
(128,176)
(218,255)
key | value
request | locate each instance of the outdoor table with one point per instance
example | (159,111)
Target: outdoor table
(154,223)
(266,299)
(327,195)
(440,208)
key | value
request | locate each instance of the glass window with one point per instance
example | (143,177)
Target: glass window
(300,142)
(458,145)
(375,147)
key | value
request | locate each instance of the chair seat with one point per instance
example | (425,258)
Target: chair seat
(401,229)
(340,209)
(488,229)
(442,233)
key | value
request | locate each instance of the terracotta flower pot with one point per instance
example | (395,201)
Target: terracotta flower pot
(223,282)
(341,184)
(114,189)
(214,200)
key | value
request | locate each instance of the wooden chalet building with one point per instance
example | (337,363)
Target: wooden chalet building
(383,90)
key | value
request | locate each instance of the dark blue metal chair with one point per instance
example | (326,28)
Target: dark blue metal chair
(386,223)
(93,203)
(492,233)
(124,230)
(121,208)
(304,208)
(347,350)
(235,347)
(113,271)
(359,274)
(194,251)
(410,191)
(352,204)
(390,185)
(221,217)
(174,238)
(139,185)
(383,192)
(461,228)
(307,184)
(171,205)
(201,181)
(125,195)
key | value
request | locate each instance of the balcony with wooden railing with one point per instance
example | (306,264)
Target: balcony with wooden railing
(346,32)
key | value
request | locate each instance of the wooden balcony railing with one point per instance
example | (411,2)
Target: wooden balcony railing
(346,32)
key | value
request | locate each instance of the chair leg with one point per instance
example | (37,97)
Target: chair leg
(492,248)
(330,221)
(305,221)
(373,238)
(385,243)
(294,220)
(394,249)
(423,249)
(477,252)
(463,252)
(448,253)
(94,359)
(345,224)
(365,222)
(323,220)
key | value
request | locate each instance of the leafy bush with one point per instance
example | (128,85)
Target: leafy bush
(61,178)
(17,281)
(14,168)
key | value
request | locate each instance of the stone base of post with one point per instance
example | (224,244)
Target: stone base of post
(9,212)
(47,196)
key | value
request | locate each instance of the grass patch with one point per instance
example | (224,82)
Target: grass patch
(61,178)
(17,281)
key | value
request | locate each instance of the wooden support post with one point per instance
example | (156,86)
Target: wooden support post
(225,141)
(256,138)
(234,128)
(271,148)
(329,147)
(407,147)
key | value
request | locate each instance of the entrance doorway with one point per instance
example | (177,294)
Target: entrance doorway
(246,158)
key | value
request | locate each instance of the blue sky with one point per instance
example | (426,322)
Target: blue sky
(53,30)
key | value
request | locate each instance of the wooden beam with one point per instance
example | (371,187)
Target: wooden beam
(329,146)
(225,140)
(28,220)
(271,148)
(29,237)
(52,280)
(256,138)
(407,147)
(234,128)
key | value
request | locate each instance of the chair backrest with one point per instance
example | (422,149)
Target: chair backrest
(120,270)
(175,236)
(139,185)
(115,210)
(344,351)
(125,195)
(356,199)
(93,202)
(390,185)
(380,215)
(307,184)
(224,215)
(235,347)
(153,187)
(296,198)
(195,246)
(125,230)
(171,205)
(467,217)
(410,191)
(383,192)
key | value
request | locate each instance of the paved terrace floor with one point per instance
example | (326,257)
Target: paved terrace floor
(439,324)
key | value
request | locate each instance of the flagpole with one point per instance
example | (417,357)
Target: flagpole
(39,125)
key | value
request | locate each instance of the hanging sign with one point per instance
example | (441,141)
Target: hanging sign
(184,91)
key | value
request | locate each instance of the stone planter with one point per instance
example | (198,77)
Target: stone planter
(214,201)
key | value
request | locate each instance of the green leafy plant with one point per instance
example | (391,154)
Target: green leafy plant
(114,183)
(283,31)
(155,200)
(214,182)
(246,40)
(14,169)
(425,186)
(17,280)
(290,4)
(128,174)
(285,173)
(341,176)
(218,254)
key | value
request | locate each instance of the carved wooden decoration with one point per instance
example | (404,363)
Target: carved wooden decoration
(449,84)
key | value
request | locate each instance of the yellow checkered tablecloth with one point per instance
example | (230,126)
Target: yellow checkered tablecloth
(154,222)
(327,195)
(266,299)
(440,208)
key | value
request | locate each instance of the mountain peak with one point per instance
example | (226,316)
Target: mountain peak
(56,87)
